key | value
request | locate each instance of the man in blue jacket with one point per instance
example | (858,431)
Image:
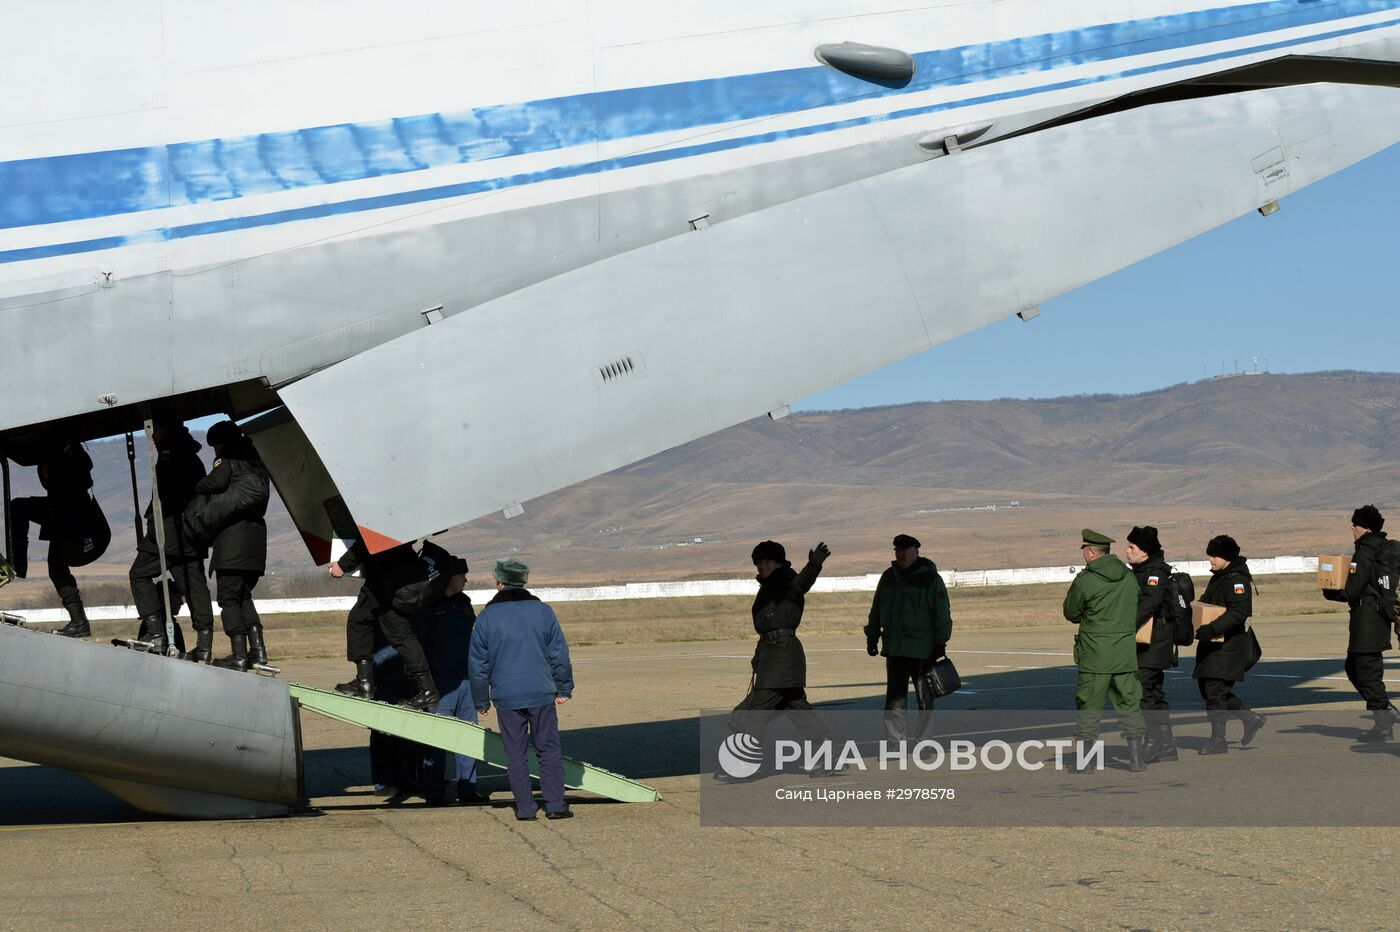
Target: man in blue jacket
(519,661)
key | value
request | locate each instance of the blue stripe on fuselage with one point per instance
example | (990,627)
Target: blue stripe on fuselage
(84,186)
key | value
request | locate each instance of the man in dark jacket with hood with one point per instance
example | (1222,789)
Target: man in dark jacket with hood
(779,664)
(1370,594)
(1159,653)
(70,519)
(911,617)
(1102,601)
(178,469)
(1221,664)
(233,503)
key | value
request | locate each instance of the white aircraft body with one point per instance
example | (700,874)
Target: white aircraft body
(484,250)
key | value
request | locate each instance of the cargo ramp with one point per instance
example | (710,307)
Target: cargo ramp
(451,734)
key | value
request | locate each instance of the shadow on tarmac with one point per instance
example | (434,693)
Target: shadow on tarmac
(32,795)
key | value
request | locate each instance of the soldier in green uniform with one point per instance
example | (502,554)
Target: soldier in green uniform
(1103,601)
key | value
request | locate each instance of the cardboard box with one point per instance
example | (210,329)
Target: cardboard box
(1144,634)
(1203,614)
(1332,571)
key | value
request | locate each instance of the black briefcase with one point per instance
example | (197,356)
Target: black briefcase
(943,677)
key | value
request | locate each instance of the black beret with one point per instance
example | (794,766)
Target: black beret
(769,550)
(1369,517)
(904,540)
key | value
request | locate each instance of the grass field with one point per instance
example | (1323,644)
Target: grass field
(721,618)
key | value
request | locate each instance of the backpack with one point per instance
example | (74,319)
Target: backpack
(1176,608)
(1387,580)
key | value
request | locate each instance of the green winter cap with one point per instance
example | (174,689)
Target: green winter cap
(511,572)
(1095,539)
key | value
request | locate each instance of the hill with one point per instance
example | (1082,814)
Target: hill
(1277,459)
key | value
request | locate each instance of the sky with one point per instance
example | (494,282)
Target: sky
(1310,288)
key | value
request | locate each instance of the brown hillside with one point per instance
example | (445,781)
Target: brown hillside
(1280,460)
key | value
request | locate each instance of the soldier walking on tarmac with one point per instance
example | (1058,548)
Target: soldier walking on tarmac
(910,615)
(1159,653)
(779,662)
(1370,594)
(1221,664)
(1103,601)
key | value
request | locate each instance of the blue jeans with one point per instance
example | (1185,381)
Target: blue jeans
(540,727)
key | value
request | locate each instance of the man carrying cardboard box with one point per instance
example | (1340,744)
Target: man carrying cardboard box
(1221,664)
(1103,601)
(1369,591)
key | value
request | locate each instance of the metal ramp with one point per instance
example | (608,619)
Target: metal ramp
(460,737)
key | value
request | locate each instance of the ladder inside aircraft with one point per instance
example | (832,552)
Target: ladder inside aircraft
(460,737)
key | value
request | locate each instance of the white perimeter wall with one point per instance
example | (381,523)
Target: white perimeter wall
(1263,566)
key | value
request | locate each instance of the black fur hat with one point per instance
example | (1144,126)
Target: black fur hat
(769,550)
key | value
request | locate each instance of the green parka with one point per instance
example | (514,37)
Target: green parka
(1103,601)
(910,612)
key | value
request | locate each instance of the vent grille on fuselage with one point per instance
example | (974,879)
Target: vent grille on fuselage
(617,369)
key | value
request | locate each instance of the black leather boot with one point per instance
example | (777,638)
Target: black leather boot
(238,660)
(1135,762)
(1217,743)
(1383,730)
(77,626)
(1253,722)
(427,694)
(257,650)
(362,686)
(203,647)
(153,633)
(1161,744)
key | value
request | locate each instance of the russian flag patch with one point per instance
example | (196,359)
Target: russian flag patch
(1152,580)
(1239,588)
(1353,568)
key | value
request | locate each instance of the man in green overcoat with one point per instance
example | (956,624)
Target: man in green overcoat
(1103,600)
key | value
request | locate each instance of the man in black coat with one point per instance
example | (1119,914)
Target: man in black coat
(779,683)
(1153,574)
(1219,665)
(1370,594)
(399,582)
(70,519)
(231,509)
(178,469)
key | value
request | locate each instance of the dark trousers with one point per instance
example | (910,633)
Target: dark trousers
(1154,692)
(538,727)
(1221,701)
(398,631)
(761,706)
(187,578)
(234,591)
(1367,673)
(36,510)
(899,673)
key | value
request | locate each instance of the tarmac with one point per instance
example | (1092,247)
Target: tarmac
(72,854)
